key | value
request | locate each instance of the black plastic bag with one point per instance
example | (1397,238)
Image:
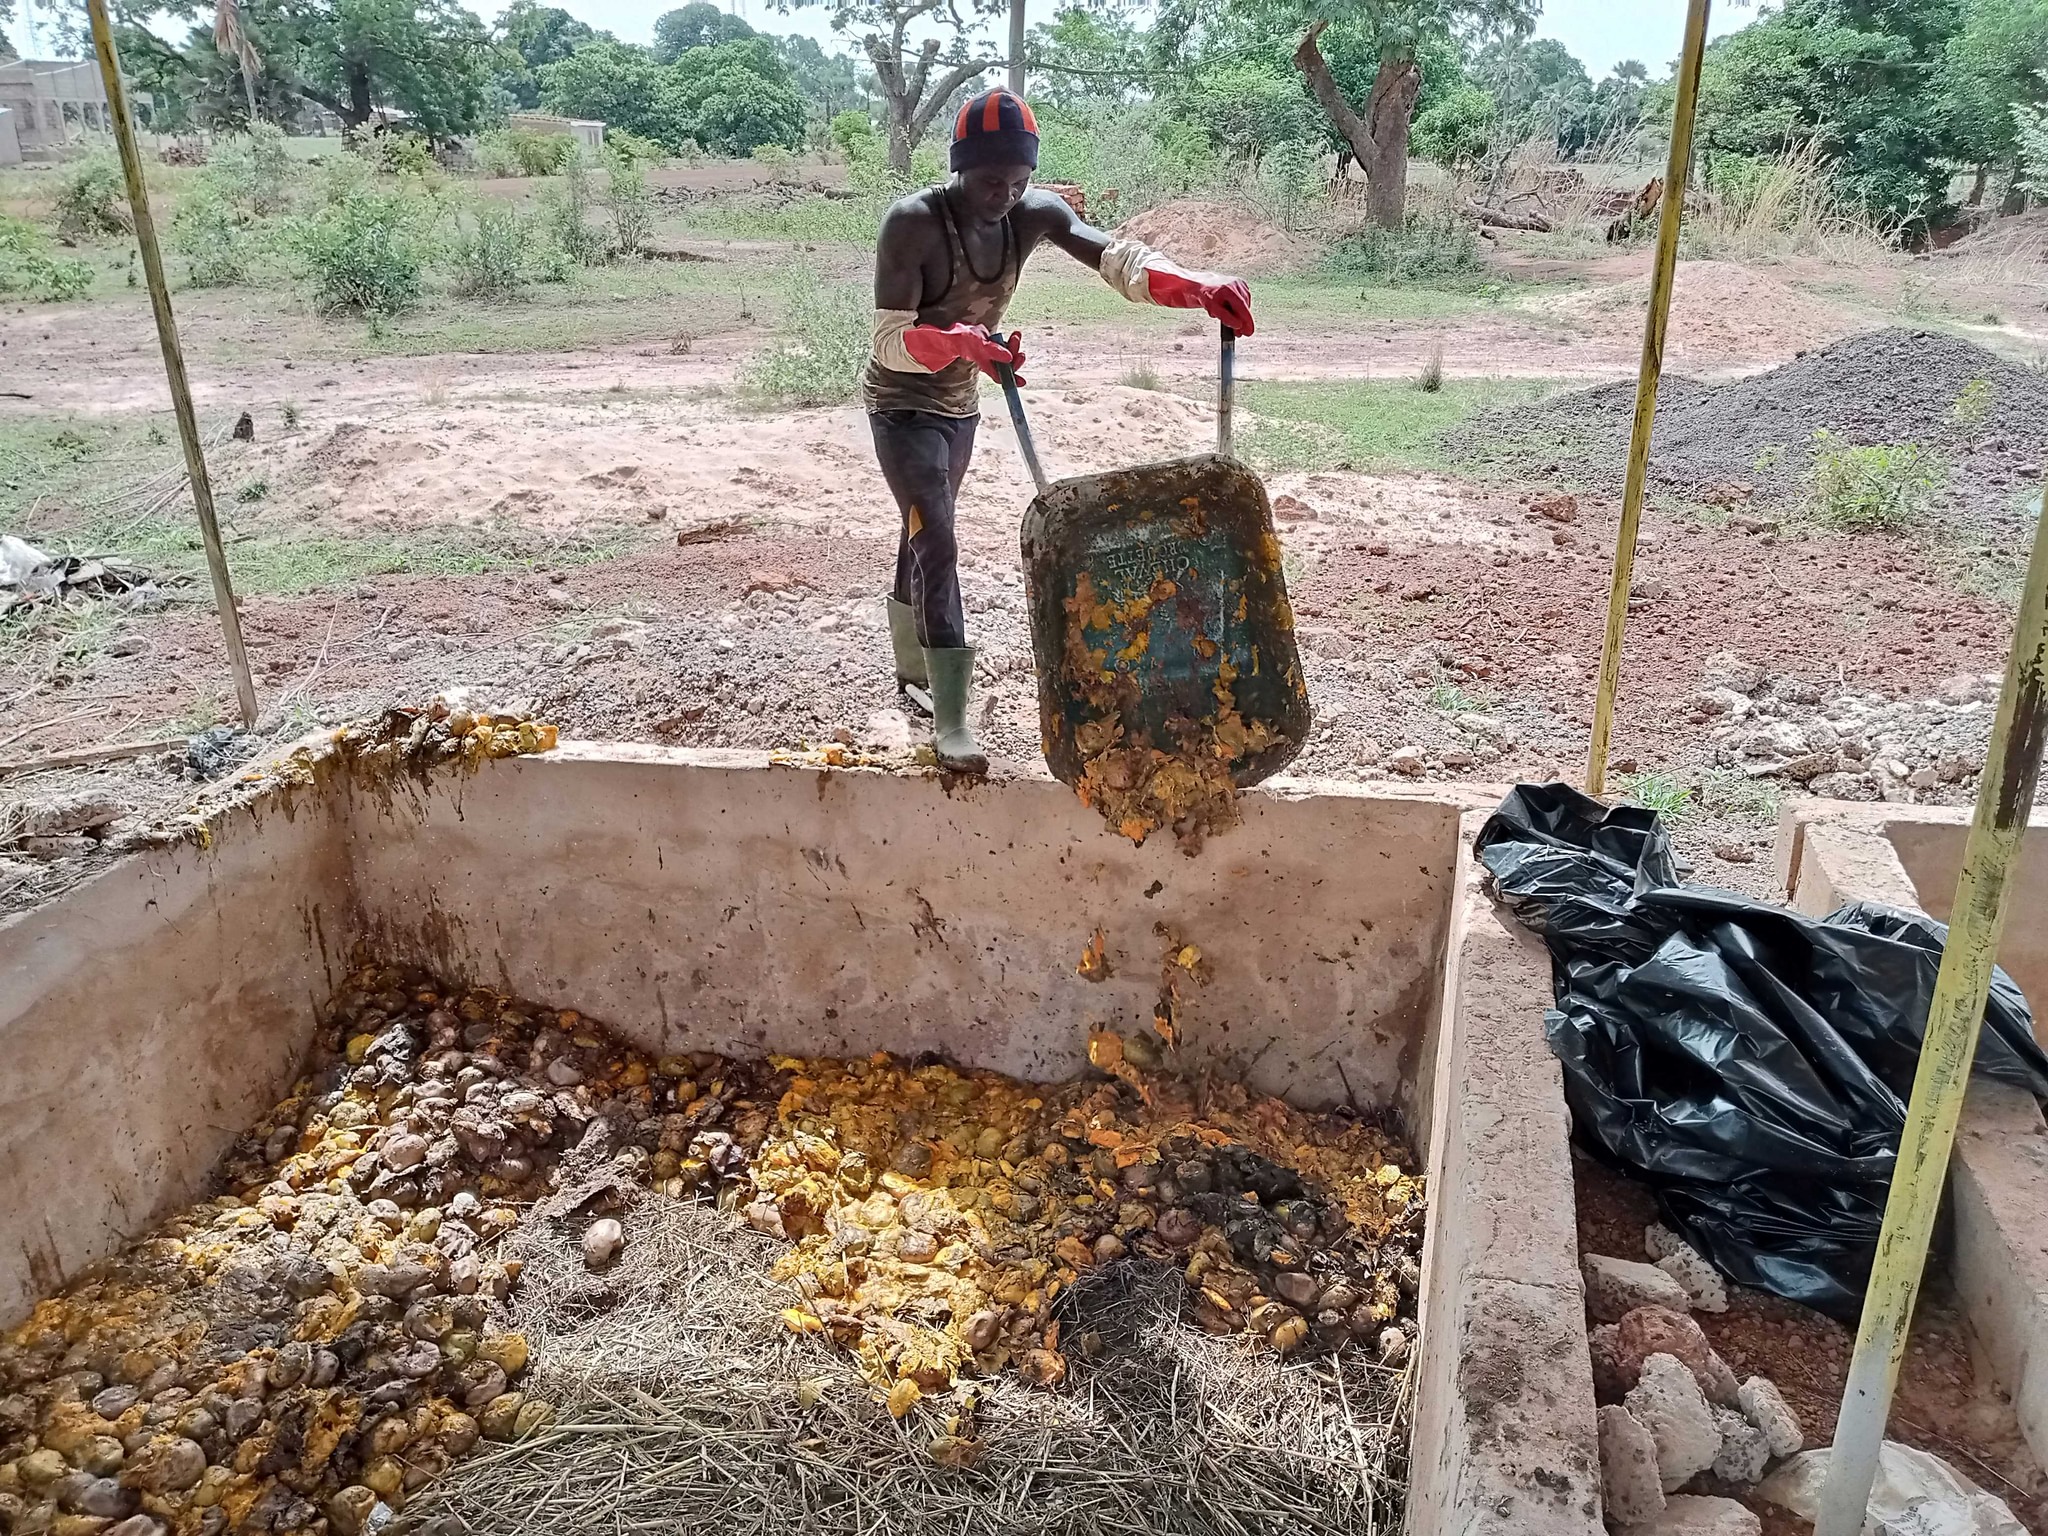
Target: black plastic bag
(1751,1064)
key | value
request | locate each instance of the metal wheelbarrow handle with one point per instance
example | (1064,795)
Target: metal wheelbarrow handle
(1226,391)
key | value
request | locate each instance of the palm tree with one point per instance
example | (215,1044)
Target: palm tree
(231,36)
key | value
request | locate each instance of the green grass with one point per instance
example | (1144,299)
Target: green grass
(805,220)
(1373,424)
(59,461)
(1669,797)
(1453,700)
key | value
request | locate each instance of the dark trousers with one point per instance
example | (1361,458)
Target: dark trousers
(924,458)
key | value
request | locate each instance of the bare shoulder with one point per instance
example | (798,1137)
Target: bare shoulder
(1043,213)
(910,216)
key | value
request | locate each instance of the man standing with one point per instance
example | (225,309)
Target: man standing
(946,265)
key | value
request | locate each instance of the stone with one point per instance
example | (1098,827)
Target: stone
(348,1512)
(1729,851)
(1406,760)
(1694,1515)
(105,1497)
(1630,1487)
(1616,1287)
(1725,669)
(137,1525)
(1613,1374)
(1651,1331)
(168,1465)
(1667,1401)
(1745,1450)
(1689,1267)
(72,813)
(115,1401)
(1764,1406)
(601,1242)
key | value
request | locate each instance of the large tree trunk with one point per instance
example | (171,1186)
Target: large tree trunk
(1379,139)
(1976,198)
(899,137)
(359,103)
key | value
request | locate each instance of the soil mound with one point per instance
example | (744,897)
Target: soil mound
(1224,236)
(1756,433)
(1719,309)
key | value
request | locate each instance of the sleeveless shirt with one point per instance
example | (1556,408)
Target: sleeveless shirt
(968,299)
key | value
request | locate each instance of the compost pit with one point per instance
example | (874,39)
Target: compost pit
(310,1349)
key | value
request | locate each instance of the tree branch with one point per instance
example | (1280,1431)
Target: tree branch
(1308,58)
(949,82)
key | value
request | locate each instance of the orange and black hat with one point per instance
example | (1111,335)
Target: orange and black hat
(995,128)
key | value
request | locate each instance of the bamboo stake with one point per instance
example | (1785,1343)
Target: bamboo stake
(2005,799)
(1677,169)
(174,356)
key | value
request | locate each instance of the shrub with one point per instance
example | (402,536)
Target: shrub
(364,250)
(251,170)
(495,156)
(633,148)
(1290,177)
(821,350)
(632,207)
(564,213)
(1884,486)
(543,154)
(398,153)
(1428,245)
(488,251)
(206,232)
(853,133)
(28,271)
(778,162)
(92,198)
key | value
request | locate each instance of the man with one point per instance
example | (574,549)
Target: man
(946,265)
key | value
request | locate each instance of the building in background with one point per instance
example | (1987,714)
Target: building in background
(49,104)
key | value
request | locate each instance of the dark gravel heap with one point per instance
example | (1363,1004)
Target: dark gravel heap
(1893,386)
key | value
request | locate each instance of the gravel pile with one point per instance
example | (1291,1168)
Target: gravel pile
(1881,387)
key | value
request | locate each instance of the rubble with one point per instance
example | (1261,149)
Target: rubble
(1765,1407)
(1696,1515)
(1616,1287)
(1654,1330)
(1704,1287)
(329,1334)
(1745,1449)
(1630,1488)
(1669,1404)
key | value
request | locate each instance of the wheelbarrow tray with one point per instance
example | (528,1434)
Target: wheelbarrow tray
(1159,618)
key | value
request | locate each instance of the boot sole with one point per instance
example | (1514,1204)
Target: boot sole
(917,696)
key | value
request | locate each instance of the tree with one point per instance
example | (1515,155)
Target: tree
(1456,129)
(700,24)
(1087,55)
(1850,82)
(6,20)
(616,84)
(829,83)
(1990,72)
(736,96)
(531,36)
(1401,30)
(912,94)
(1539,90)
(231,36)
(1619,98)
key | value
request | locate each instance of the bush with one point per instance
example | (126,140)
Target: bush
(251,170)
(28,271)
(853,133)
(1857,488)
(778,162)
(365,249)
(633,148)
(821,350)
(1138,152)
(1428,245)
(495,156)
(401,153)
(92,198)
(1291,177)
(543,154)
(564,213)
(632,207)
(488,251)
(207,233)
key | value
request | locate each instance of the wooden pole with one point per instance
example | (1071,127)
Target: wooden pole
(1017,46)
(174,357)
(2005,799)
(1662,274)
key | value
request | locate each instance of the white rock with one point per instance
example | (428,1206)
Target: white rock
(1701,1280)
(1764,1406)
(1744,1451)
(1667,1401)
(1630,1488)
(1690,1515)
(1406,760)
(1616,1287)
(601,1242)
(1725,669)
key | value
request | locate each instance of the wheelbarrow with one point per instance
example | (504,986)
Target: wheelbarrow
(1161,632)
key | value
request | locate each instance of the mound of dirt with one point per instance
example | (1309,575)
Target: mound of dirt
(1222,236)
(1753,436)
(1719,309)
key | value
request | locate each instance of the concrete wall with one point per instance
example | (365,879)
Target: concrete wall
(695,900)
(710,900)
(1829,853)
(145,1019)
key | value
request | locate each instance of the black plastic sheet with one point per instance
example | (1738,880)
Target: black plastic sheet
(1751,1064)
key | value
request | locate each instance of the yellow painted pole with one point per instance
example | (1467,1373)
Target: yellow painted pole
(2012,768)
(174,356)
(1662,272)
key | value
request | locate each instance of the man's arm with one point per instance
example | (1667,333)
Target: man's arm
(908,233)
(1135,270)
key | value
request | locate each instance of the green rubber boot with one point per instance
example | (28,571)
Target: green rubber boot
(912,680)
(950,672)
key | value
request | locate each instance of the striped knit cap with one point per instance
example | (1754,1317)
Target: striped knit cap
(995,128)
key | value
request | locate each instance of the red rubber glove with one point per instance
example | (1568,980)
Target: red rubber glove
(1225,298)
(936,346)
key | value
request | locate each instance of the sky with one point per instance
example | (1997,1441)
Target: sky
(1600,33)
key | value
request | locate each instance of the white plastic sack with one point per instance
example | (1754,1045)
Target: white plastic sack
(1916,1494)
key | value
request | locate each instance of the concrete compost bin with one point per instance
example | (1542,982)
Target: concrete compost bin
(716,901)
(1831,852)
